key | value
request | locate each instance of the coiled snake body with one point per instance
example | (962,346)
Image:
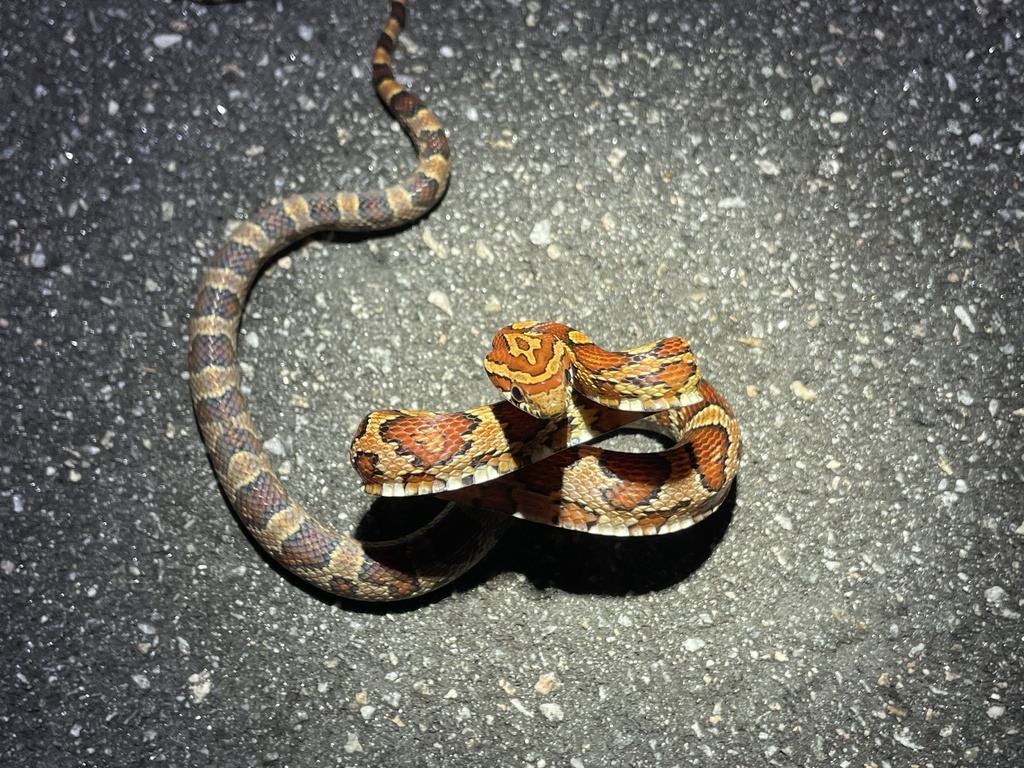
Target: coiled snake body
(562,390)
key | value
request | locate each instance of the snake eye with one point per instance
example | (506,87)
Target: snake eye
(517,395)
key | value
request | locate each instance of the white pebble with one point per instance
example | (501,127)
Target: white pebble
(541,232)
(552,711)
(440,300)
(784,522)
(352,744)
(142,681)
(616,156)
(732,202)
(274,446)
(995,595)
(199,685)
(166,40)
(38,258)
(802,391)
(964,317)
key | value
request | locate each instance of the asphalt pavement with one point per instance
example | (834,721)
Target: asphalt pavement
(826,199)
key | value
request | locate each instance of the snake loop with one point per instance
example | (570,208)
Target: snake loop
(528,456)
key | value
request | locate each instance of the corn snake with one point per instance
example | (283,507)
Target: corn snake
(549,369)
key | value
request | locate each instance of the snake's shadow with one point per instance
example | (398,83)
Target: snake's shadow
(551,558)
(582,563)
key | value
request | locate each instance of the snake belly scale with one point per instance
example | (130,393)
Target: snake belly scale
(525,456)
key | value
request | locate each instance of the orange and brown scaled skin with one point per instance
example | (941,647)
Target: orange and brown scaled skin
(502,458)
(449,452)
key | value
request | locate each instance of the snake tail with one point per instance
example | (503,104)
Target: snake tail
(304,545)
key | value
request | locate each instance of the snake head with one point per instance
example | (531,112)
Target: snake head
(532,370)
